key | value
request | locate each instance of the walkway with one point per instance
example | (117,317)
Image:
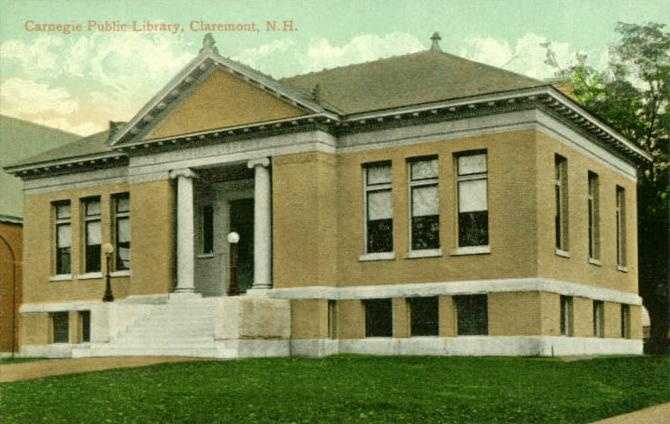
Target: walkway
(51,367)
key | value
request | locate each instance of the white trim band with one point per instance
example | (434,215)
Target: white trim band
(458,288)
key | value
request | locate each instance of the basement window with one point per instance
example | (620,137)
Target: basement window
(472,315)
(625,321)
(378,318)
(85,326)
(60,327)
(424,316)
(566,316)
(598,318)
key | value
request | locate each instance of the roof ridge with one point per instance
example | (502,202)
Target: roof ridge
(367,62)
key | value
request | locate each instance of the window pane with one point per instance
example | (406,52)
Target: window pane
(424,316)
(63,260)
(122,244)
(122,204)
(378,174)
(93,207)
(473,229)
(60,322)
(426,232)
(380,236)
(63,210)
(424,169)
(471,164)
(378,318)
(379,205)
(424,201)
(63,236)
(472,315)
(472,196)
(93,233)
(208,229)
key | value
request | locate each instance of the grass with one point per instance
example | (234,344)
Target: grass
(346,389)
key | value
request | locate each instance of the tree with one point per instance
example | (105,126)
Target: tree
(632,95)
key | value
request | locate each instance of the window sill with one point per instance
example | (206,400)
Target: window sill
(61,277)
(89,276)
(381,256)
(595,262)
(425,253)
(562,253)
(622,268)
(122,273)
(471,250)
(206,256)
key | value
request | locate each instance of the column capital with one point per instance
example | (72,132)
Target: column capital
(264,162)
(184,172)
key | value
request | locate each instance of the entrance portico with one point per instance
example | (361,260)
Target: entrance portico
(186,218)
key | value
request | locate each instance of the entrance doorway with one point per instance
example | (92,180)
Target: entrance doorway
(242,222)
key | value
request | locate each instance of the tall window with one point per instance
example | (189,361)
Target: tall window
(472,315)
(424,316)
(208,229)
(63,234)
(379,208)
(473,216)
(93,235)
(60,327)
(620,226)
(378,318)
(598,318)
(625,321)
(425,219)
(561,194)
(122,231)
(594,216)
(566,316)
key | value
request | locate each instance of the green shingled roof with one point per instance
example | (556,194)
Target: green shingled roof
(422,77)
(20,140)
(411,79)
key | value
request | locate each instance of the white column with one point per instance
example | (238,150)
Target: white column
(185,234)
(262,224)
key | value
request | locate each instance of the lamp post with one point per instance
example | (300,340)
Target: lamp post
(108,249)
(234,287)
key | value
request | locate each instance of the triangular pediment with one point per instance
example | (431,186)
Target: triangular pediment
(222,100)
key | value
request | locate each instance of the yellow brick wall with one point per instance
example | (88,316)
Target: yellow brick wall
(34,329)
(39,242)
(350,319)
(401,317)
(583,317)
(576,268)
(304,220)
(447,316)
(309,318)
(511,208)
(11,256)
(514,314)
(612,319)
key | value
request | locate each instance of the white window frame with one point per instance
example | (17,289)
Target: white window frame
(427,182)
(593,221)
(479,249)
(57,223)
(562,206)
(621,228)
(376,256)
(86,219)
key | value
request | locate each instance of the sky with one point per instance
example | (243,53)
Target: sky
(78,80)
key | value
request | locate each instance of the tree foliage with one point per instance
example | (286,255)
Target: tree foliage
(632,95)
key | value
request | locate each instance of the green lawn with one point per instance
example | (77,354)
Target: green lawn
(346,389)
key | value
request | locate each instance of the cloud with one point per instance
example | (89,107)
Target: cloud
(526,55)
(42,55)
(321,53)
(26,97)
(262,56)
